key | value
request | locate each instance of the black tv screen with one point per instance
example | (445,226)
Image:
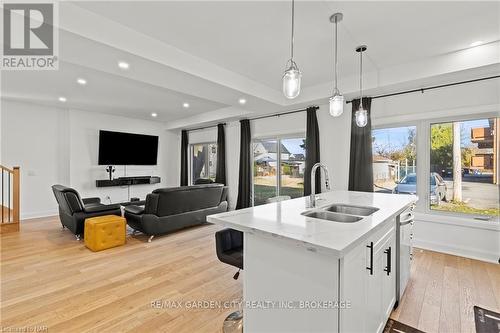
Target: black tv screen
(116,148)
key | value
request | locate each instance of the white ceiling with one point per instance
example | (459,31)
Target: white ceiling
(212,53)
(103,93)
(252,38)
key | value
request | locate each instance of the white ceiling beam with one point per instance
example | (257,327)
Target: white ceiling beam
(209,118)
(97,28)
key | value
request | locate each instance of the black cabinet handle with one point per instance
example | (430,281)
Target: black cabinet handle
(370,268)
(388,267)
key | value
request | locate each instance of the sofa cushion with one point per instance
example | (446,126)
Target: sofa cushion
(182,199)
(133,209)
(151,203)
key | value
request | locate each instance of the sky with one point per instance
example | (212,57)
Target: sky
(396,137)
(293,145)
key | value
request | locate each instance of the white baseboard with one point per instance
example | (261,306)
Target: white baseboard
(458,251)
(34,215)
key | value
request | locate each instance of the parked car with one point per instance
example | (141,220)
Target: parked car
(438,190)
(448,173)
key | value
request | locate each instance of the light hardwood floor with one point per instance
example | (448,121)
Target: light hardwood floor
(48,279)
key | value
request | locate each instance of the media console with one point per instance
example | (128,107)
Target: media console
(127,181)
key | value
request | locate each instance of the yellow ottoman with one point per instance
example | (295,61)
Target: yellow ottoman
(104,232)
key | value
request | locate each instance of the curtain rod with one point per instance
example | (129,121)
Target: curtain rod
(202,128)
(432,87)
(285,113)
(261,117)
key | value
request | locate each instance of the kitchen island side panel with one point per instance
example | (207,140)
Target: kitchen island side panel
(277,270)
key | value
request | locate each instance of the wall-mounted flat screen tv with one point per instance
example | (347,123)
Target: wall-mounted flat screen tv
(116,148)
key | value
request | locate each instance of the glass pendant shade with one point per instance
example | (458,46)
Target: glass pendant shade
(291,82)
(361,114)
(361,117)
(336,104)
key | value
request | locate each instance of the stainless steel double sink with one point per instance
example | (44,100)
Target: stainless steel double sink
(341,213)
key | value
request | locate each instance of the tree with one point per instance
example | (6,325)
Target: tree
(467,154)
(441,147)
(457,164)
(404,152)
(410,150)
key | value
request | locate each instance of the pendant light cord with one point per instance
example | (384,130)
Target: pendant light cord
(336,59)
(292,40)
(361,80)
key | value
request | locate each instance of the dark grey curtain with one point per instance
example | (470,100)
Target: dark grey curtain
(361,160)
(312,151)
(245,183)
(184,158)
(220,172)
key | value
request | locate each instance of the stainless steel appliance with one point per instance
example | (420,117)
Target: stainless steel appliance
(404,250)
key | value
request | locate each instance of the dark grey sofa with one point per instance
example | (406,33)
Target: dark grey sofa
(171,209)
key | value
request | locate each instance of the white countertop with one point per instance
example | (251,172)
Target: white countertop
(283,219)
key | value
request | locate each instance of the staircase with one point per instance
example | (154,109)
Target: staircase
(10,199)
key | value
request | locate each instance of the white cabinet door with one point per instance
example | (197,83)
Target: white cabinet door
(389,277)
(374,292)
(353,290)
(366,285)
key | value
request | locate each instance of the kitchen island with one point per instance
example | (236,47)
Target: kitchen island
(329,268)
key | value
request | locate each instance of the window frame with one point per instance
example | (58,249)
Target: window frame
(423,210)
(404,124)
(278,139)
(191,155)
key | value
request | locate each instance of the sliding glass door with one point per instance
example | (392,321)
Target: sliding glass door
(265,170)
(203,161)
(269,180)
(293,163)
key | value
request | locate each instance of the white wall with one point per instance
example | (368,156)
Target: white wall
(53,145)
(30,139)
(172,148)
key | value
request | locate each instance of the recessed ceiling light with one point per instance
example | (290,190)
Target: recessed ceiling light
(476,43)
(123,65)
(242,101)
(154,114)
(81,81)
(185,105)
(62,99)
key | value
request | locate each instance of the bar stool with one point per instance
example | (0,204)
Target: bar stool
(229,248)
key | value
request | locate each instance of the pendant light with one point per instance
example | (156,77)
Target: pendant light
(361,114)
(337,100)
(292,75)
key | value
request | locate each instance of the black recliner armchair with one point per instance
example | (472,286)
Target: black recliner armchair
(73,210)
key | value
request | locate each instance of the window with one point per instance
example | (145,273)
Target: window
(464,166)
(203,161)
(395,160)
(270,181)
